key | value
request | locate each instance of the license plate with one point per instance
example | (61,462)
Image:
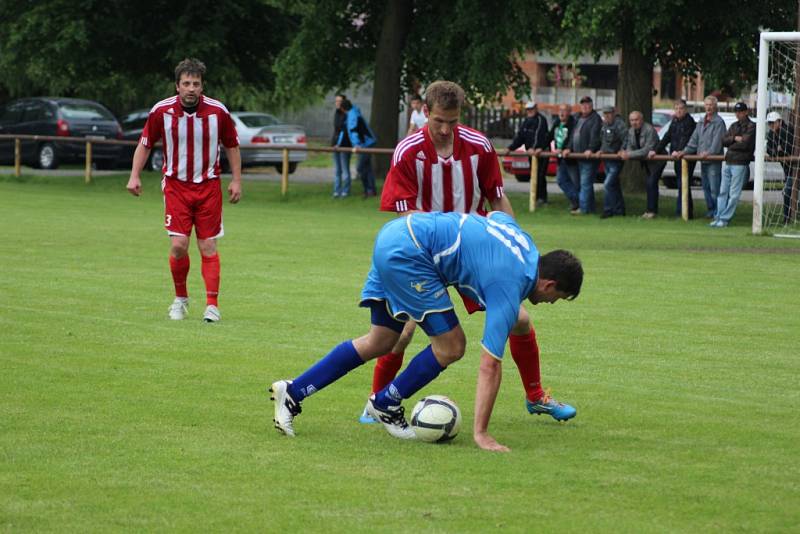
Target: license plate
(284,139)
(95,137)
(520,164)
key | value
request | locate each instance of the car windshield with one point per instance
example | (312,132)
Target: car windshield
(85,111)
(135,123)
(660,119)
(258,120)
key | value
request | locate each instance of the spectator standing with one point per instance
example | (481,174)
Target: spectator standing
(642,138)
(780,143)
(418,118)
(612,137)
(341,160)
(361,136)
(706,141)
(741,143)
(533,135)
(680,130)
(586,140)
(567,174)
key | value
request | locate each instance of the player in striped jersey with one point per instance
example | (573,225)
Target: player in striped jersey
(446,166)
(191,127)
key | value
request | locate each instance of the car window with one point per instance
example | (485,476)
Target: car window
(12,113)
(134,123)
(660,119)
(85,111)
(258,121)
(36,111)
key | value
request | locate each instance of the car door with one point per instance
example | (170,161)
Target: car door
(10,117)
(38,118)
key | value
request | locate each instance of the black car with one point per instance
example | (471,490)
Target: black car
(63,117)
(132,126)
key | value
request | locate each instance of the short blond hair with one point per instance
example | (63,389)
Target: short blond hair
(444,95)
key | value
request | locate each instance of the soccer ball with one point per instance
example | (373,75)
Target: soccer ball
(435,419)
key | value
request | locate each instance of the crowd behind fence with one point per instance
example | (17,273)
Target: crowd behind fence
(685,178)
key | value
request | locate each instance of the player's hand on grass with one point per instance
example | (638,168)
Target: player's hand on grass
(235,191)
(134,186)
(488,443)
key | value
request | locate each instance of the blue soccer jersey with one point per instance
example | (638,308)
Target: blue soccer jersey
(489,259)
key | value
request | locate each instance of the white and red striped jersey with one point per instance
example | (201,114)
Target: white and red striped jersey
(191,140)
(419,179)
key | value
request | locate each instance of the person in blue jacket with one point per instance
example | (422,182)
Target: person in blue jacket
(361,136)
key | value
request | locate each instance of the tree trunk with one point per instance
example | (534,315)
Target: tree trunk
(634,93)
(386,91)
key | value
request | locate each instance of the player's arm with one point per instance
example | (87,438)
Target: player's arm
(502,204)
(140,156)
(489,377)
(235,161)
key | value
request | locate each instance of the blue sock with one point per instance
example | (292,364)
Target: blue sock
(419,373)
(340,361)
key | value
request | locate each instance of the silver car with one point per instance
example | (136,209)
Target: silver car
(259,130)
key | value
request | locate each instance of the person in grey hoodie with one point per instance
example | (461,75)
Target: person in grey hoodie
(642,138)
(612,137)
(707,141)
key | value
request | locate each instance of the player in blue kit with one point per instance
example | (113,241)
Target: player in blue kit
(415,259)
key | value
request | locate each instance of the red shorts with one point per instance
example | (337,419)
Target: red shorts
(188,204)
(470,305)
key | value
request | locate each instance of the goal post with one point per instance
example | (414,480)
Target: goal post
(775,189)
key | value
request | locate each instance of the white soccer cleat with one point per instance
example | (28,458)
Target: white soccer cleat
(393,419)
(179,308)
(211,315)
(286,408)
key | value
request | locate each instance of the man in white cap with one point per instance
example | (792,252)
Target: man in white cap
(533,135)
(780,142)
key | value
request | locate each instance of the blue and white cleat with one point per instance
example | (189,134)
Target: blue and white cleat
(549,406)
(366,418)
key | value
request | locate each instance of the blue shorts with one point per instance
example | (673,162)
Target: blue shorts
(404,276)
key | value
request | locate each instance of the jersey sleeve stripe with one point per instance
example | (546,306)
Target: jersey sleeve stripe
(476,140)
(405,144)
(165,102)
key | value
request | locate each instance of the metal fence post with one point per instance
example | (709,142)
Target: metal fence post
(685,192)
(17,157)
(285,173)
(534,183)
(88,176)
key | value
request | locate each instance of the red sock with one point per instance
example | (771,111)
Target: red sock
(210,272)
(386,369)
(525,352)
(180,270)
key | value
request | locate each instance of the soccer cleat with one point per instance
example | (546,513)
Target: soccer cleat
(393,419)
(179,308)
(549,406)
(286,408)
(366,418)
(211,314)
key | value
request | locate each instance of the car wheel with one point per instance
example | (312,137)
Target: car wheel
(156,161)
(106,164)
(46,157)
(749,186)
(292,167)
(524,178)
(670,182)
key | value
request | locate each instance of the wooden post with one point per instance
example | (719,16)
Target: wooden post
(285,173)
(534,183)
(685,191)
(88,175)
(17,157)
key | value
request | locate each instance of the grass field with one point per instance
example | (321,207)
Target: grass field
(681,355)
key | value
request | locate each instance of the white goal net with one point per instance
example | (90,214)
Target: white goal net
(777,160)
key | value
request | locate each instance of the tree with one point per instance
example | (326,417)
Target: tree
(123,53)
(714,37)
(400,43)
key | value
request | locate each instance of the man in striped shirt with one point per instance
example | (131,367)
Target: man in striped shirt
(191,127)
(446,166)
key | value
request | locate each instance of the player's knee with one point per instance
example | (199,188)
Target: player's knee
(405,337)
(523,324)
(451,349)
(208,247)
(179,249)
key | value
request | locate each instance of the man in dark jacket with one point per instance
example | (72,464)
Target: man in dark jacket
(780,143)
(533,135)
(567,174)
(586,140)
(677,137)
(612,137)
(642,138)
(741,143)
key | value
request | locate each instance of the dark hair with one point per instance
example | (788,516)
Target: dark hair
(563,267)
(445,95)
(341,95)
(192,67)
(347,105)
(681,101)
(416,96)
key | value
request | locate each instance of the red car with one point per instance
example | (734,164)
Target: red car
(520,167)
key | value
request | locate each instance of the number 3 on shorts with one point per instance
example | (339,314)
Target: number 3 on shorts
(168,220)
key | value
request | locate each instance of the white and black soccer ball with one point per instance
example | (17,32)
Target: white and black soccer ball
(435,419)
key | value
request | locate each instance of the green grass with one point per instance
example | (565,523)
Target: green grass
(681,355)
